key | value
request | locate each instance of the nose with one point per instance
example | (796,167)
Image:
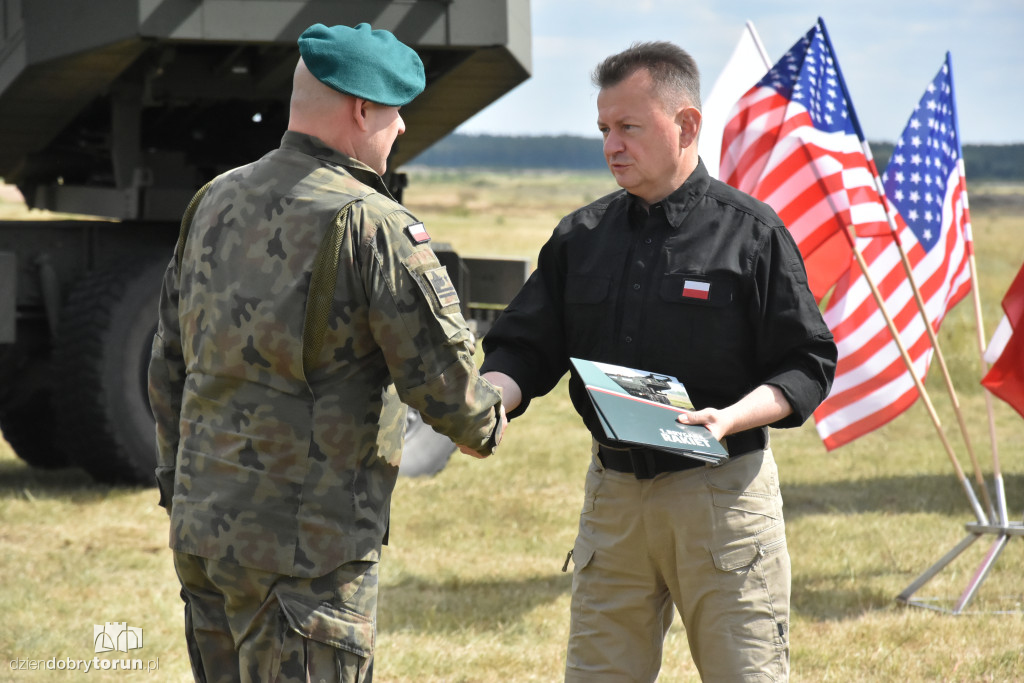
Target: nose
(401,124)
(612,144)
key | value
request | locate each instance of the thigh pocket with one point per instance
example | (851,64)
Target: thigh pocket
(744,552)
(745,498)
(332,625)
(739,514)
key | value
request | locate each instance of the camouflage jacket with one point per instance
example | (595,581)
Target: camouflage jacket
(302,310)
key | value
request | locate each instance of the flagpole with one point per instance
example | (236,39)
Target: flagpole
(922,309)
(961,477)
(758,44)
(968,489)
(997,474)
(954,399)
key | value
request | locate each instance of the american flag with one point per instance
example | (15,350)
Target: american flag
(924,183)
(792,142)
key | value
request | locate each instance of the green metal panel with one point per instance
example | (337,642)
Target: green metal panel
(117,94)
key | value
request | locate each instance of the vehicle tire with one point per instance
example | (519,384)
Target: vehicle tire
(102,357)
(26,410)
(426,452)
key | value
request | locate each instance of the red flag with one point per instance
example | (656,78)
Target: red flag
(927,194)
(1005,378)
(792,142)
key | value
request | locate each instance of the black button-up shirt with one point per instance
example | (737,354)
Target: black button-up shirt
(707,285)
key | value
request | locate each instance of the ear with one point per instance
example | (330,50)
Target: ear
(358,110)
(688,119)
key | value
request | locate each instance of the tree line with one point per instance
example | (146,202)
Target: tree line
(570,152)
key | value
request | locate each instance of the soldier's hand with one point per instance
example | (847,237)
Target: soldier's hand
(469,451)
(499,432)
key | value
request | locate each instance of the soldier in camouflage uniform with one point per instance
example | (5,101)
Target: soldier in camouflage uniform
(302,309)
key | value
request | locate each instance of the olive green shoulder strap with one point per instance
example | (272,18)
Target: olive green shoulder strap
(321,289)
(186,224)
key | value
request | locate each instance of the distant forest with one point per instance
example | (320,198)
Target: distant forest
(568,152)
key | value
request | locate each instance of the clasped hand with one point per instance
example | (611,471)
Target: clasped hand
(497,440)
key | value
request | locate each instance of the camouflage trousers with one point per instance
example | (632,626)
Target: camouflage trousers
(250,626)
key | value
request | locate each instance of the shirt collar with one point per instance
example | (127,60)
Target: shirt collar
(678,204)
(314,147)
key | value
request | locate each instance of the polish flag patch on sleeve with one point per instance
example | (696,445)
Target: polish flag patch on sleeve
(417,233)
(695,289)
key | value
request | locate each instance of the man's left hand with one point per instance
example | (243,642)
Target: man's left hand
(715,420)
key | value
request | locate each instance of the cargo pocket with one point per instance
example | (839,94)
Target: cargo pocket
(756,570)
(737,555)
(582,555)
(328,624)
(744,552)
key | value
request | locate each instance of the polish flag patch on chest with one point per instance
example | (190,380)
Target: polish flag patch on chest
(696,289)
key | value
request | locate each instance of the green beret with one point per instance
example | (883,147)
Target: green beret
(371,64)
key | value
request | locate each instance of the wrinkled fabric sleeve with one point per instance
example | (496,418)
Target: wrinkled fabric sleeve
(417,322)
(527,342)
(167,383)
(795,349)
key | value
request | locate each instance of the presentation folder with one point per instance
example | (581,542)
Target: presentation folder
(639,408)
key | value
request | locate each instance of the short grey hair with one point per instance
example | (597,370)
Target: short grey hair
(674,72)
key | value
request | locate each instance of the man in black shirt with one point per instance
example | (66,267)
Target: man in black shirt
(682,275)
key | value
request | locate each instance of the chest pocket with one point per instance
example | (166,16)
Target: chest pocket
(587,316)
(703,313)
(715,291)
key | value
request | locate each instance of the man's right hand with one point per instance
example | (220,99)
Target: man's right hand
(498,434)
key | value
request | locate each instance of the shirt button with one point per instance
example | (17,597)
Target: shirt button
(648,240)
(629,340)
(636,285)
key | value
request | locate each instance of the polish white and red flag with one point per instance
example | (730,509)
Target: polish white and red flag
(793,142)
(1005,378)
(746,66)
(927,193)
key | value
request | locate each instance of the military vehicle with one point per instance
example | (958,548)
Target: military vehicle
(649,387)
(117,111)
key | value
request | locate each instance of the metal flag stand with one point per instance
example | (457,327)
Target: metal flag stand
(1003,533)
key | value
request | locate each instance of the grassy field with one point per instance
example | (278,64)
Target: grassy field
(471,585)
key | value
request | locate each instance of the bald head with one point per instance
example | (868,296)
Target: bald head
(313,104)
(362,129)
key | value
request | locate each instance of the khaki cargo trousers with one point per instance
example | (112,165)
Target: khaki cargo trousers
(711,541)
(249,626)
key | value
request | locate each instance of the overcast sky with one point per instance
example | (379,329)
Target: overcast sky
(888,50)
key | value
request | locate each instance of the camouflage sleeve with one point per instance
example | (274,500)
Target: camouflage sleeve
(417,322)
(166,383)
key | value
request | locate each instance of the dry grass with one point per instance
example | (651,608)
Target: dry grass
(472,588)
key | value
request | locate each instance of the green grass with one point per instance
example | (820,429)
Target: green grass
(471,585)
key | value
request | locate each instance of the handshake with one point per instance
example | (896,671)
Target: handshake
(499,431)
(511,396)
